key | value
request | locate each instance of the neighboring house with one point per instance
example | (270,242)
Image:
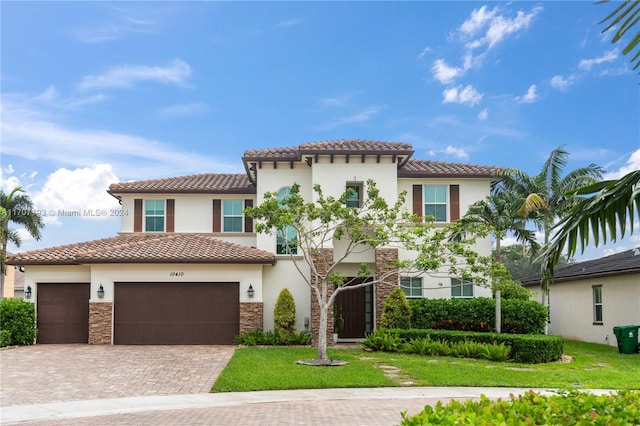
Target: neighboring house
(188,268)
(588,299)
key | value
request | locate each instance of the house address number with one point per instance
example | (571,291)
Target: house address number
(176,274)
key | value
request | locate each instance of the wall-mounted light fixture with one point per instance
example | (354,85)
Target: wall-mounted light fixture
(306,323)
(250,291)
(100,292)
(27,292)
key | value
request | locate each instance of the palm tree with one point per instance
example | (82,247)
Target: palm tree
(547,196)
(612,205)
(498,214)
(629,10)
(16,208)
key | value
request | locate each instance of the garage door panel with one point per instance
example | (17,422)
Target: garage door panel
(176,313)
(63,312)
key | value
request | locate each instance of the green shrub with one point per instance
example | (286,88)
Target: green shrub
(383,340)
(495,352)
(478,314)
(565,408)
(18,322)
(528,349)
(5,338)
(272,338)
(284,315)
(396,312)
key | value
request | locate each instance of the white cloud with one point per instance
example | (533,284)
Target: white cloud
(456,152)
(608,56)
(183,110)
(483,115)
(632,164)
(467,95)
(530,97)
(446,74)
(477,20)
(338,101)
(560,83)
(133,156)
(124,76)
(288,23)
(79,192)
(359,117)
(495,27)
(122,23)
(51,97)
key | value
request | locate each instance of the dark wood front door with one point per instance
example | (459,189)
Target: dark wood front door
(176,313)
(354,309)
(63,313)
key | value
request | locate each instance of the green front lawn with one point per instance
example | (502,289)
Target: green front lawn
(275,368)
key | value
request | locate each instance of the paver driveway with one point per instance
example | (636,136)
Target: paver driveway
(55,373)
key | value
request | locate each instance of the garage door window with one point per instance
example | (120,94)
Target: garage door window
(154,215)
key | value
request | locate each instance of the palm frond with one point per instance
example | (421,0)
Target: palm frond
(628,10)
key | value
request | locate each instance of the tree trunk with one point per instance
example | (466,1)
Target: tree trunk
(322,333)
(498,313)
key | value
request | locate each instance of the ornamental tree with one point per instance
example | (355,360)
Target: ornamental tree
(374,224)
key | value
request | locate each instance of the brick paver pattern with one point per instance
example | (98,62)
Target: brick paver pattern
(56,373)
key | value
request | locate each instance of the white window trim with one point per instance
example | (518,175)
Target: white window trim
(164,215)
(241,216)
(446,203)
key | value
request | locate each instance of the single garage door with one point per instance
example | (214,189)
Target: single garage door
(63,313)
(176,313)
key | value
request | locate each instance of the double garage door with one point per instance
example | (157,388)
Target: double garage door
(144,313)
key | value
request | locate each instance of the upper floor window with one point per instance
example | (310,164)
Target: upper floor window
(354,198)
(597,304)
(412,286)
(232,215)
(461,288)
(287,238)
(154,215)
(435,202)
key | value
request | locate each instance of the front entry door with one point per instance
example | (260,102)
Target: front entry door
(355,309)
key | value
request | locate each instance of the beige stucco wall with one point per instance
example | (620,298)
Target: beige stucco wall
(571,307)
(54,274)
(9,280)
(285,275)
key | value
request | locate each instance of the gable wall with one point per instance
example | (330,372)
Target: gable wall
(571,307)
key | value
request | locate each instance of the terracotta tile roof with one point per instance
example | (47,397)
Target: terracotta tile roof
(428,168)
(212,183)
(146,248)
(341,146)
(626,262)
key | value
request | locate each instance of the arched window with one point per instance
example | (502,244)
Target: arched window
(286,238)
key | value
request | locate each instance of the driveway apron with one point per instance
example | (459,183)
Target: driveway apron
(57,373)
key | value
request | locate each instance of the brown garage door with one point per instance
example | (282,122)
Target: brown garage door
(176,313)
(63,313)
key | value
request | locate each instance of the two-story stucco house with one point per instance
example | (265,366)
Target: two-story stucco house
(188,268)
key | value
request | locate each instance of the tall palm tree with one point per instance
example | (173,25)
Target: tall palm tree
(498,213)
(547,196)
(17,208)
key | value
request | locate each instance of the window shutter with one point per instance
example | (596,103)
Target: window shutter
(454,202)
(217,215)
(137,215)
(417,200)
(248,221)
(171,215)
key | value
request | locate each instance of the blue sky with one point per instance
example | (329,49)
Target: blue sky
(95,93)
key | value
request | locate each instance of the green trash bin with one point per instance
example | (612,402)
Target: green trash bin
(627,337)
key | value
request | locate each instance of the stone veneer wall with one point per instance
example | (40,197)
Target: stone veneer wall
(385,267)
(321,267)
(251,316)
(100,319)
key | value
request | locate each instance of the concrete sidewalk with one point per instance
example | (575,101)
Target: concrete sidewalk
(382,405)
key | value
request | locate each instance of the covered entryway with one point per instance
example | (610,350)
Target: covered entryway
(63,313)
(355,309)
(176,313)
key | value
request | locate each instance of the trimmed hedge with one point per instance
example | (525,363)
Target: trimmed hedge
(18,322)
(478,314)
(526,349)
